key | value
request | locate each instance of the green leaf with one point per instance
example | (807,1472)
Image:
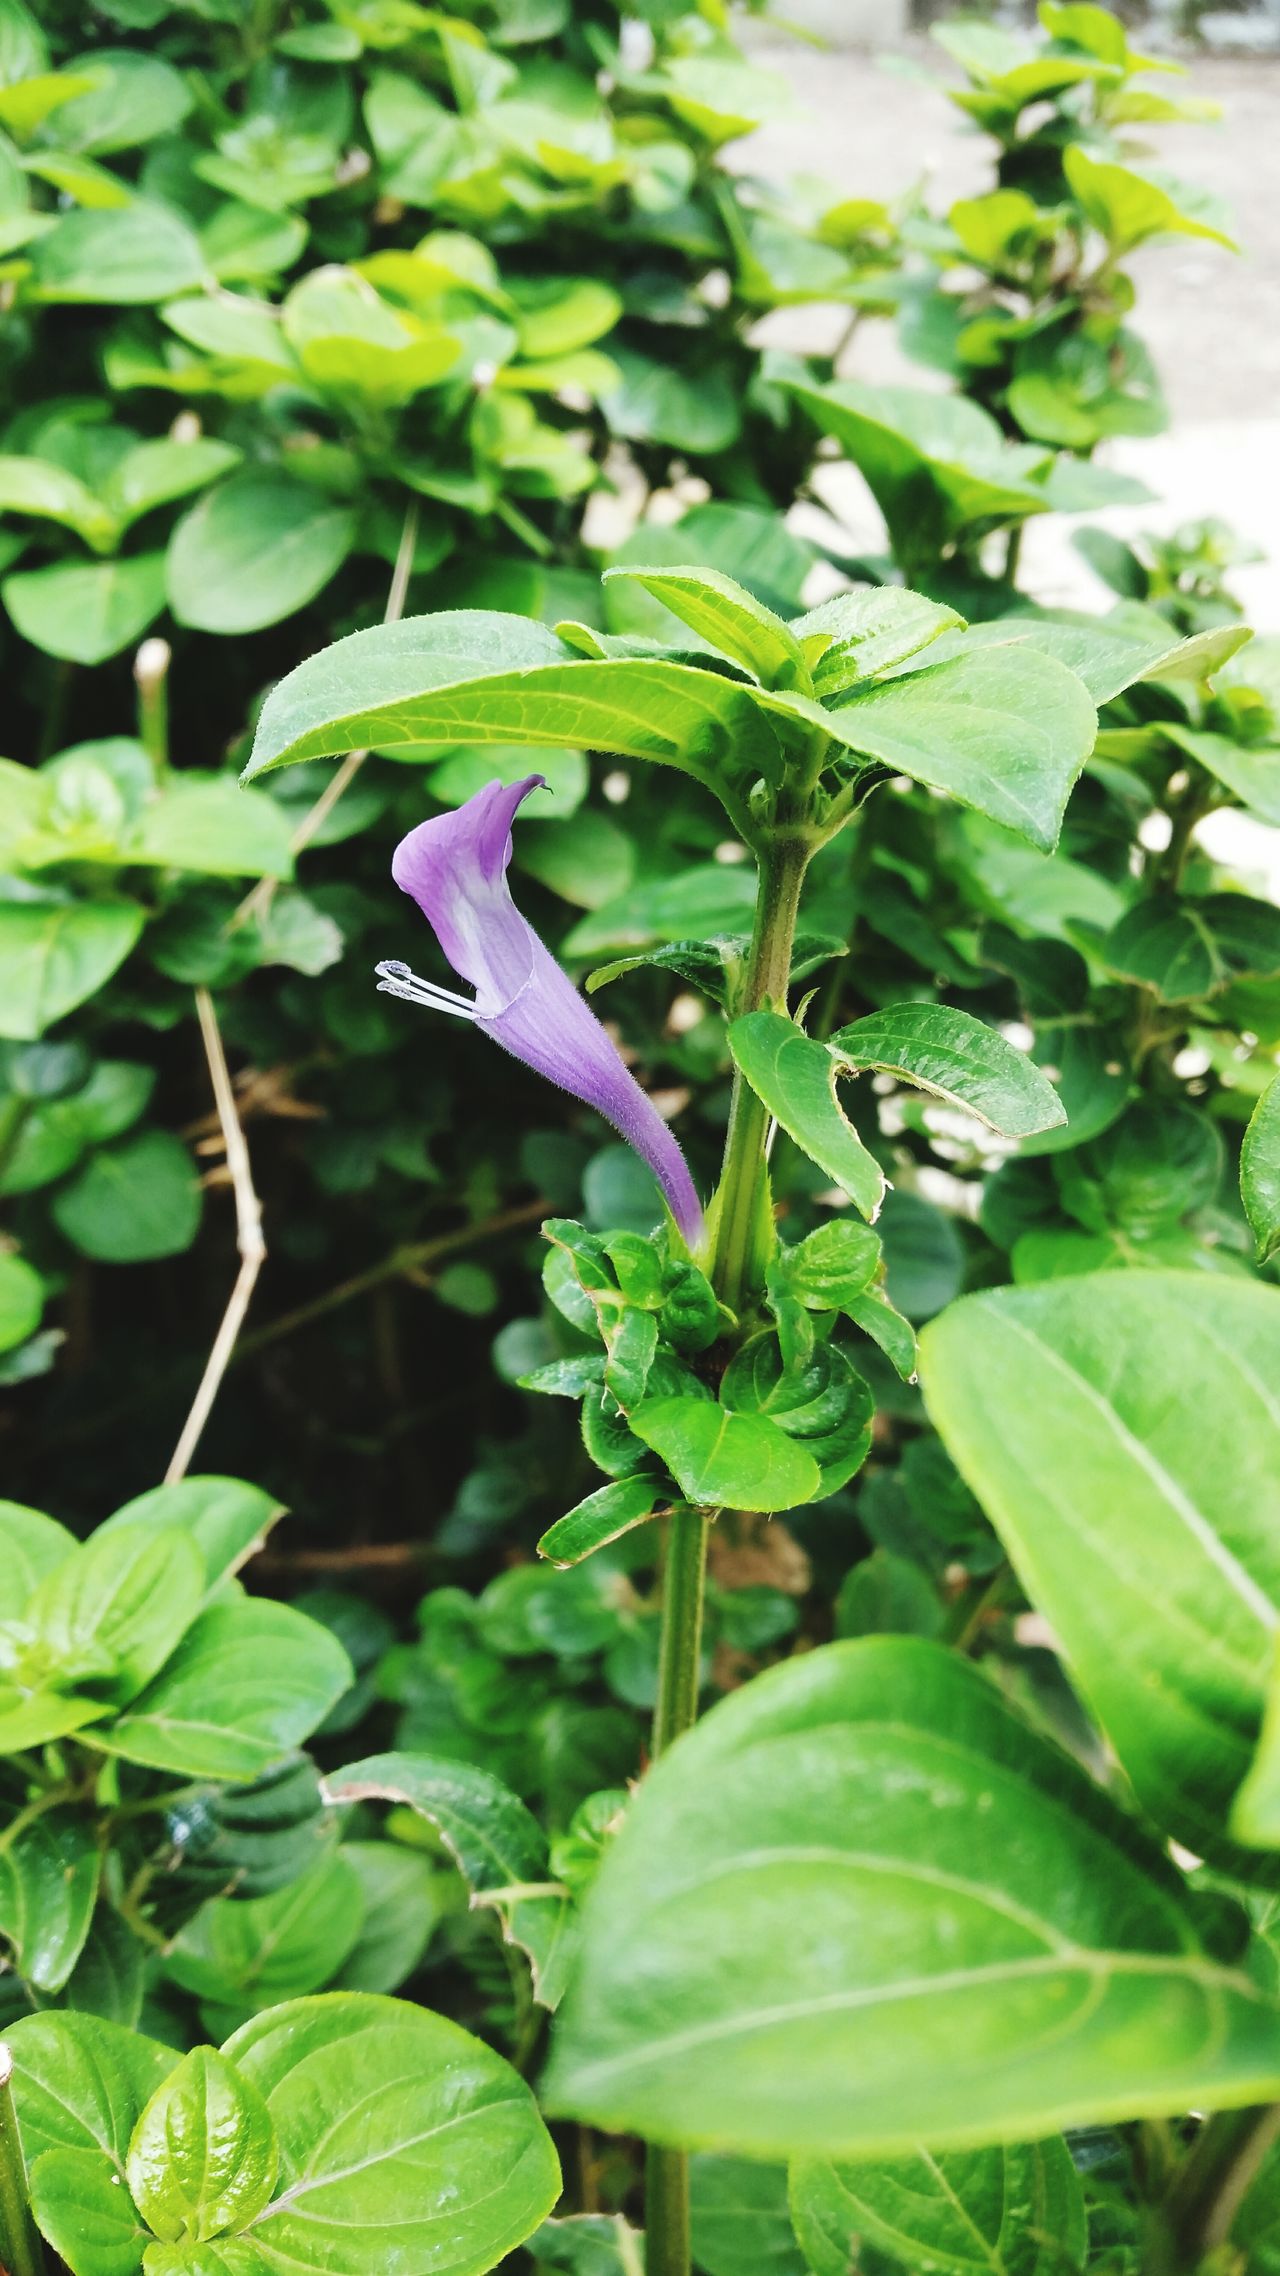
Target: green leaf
(1011,2211)
(53,954)
(132,1201)
(730,618)
(886,1595)
(119,256)
(831,1266)
(937,465)
(216,829)
(1251,775)
(21,1300)
(85,611)
(404,1896)
(203,2156)
(155,473)
(227,1520)
(241,1955)
(138,98)
(1076,1412)
(249,1681)
(796,1079)
(39,486)
(421,2118)
(49,1873)
(824,1406)
(739,2217)
(472,676)
(833,1966)
(1260,1172)
(692,410)
(31,1545)
(1184,948)
(605,1515)
(958,1058)
(82,2206)
(853,636)
(81,2083)
(726,1460)
(1001,728)
(1127,208)
(495,1842)
(1255,1813)
(255,550)
(877,1318)
(114,1611)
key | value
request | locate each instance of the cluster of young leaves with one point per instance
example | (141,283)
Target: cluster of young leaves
(1022,299)
(137,1681)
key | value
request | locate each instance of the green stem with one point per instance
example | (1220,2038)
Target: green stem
(1209,2187)
(783,862)
(20,2249)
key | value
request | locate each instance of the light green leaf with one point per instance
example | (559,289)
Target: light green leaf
(83,2208)
(853,636)
(721,1459)
(1251,775)
(824,1406)
(1127,208)
(203,2155)
(1255,1813)
(241,1955)
(21,1300)
(255,550)
(85,611)
(956,1057)
(432,2146)
(606,1514)
(834,1966)
(39,486)
(119,256)
(114,1611)
(138,98)
(81,2083)
(214,828)
(1260,1172)
(472,675)
(31,1545)
(796,1079)
(404,1895)
(1076,1413)
(1012,2211)
(249,1681)
(227,1520)
(1000,728)
(155,473)
(730,618)
(49,1873)
(55,953)
(132,1201)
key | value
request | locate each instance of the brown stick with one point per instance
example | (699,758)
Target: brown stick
(250,1240)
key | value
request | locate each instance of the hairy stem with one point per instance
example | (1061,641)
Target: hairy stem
(20,2249)
(783,862)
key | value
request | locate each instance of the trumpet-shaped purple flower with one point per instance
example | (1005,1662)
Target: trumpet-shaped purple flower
(455,868)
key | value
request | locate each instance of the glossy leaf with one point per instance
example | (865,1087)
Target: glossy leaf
(605,1515)
(227,1519)
(495,1842)
(722,1459)
(825,1407)
(49,1872)
(958,1058)
(82,2206)
(203,2155)
(114,1611)
(249,1680)
(1075,1411)
(729,618)
(1260,1172)
(796,1080)
(81,2083)
(432,2145)
(833,1966)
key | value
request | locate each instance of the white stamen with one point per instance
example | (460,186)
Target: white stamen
(396,979)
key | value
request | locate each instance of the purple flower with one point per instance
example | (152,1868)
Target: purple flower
(455,868)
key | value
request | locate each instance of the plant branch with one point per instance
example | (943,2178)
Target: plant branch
(1206,2193)
(258,900)
(249,1240)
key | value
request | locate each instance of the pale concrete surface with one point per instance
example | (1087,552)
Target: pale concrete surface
(1211,318)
